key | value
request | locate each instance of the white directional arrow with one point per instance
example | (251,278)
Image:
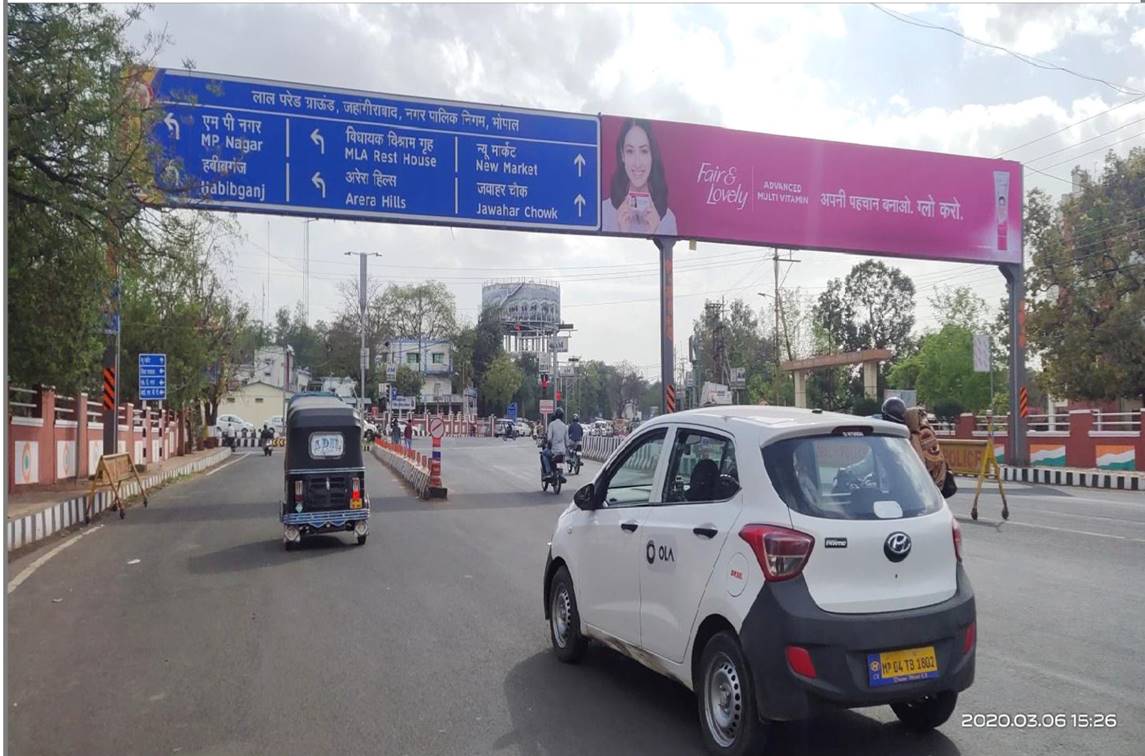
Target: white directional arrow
(172,125)
(579,160)
(319,184)
(318,140)
(579,202)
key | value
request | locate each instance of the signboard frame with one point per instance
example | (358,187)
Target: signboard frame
(178,121)
(153,376)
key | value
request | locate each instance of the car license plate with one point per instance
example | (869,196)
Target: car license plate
(355,503)
(907,665)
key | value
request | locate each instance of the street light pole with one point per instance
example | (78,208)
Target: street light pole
(364,355)
(306,268)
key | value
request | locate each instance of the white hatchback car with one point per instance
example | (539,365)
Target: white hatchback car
(773,560)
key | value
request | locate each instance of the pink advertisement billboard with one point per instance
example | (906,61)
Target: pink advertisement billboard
(660,178)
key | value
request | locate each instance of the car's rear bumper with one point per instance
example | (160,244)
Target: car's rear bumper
(784,614)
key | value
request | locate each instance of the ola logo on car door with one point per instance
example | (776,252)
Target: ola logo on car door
(661,556)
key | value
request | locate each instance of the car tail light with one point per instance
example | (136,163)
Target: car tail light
(957,534)
(781,552)
(799,659)
(970,638)
(298,490)
(356,490)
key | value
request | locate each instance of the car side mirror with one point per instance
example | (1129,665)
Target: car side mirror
(585,497)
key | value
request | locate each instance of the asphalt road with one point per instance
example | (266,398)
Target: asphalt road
(430,639)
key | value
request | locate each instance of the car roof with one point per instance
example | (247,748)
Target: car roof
(766,422)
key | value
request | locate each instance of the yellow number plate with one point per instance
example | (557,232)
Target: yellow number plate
(907,665)
(355,503)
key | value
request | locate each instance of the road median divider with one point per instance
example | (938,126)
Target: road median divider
(412,466)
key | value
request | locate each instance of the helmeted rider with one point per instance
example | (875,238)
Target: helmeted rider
(576,431)
(556,440)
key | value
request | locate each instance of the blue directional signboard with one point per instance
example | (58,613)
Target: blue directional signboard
(153,377)
(248,145)
(511,412)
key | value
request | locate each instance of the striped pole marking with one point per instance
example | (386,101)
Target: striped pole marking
(1024,402)
(108,388)
(670,397)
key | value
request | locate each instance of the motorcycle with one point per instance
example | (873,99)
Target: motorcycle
(556,477)
(574,462)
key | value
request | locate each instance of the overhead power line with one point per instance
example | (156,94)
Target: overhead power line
(1099,149)
(1067,128)
(1027,59)
(1084,141)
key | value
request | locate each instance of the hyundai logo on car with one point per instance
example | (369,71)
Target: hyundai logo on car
(897,546)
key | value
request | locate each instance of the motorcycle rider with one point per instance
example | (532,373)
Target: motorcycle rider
(576,433)
(556,442)
(266,437)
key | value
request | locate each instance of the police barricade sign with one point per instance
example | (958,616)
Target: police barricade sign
(974,457)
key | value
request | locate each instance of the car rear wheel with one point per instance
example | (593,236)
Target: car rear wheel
(927,712)
(564,620)
(726,699)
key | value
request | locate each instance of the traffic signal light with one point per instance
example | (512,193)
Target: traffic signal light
(544,380)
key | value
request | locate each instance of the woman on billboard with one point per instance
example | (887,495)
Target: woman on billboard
(638,195)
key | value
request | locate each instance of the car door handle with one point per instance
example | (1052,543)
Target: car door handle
(705,532)
(629,526)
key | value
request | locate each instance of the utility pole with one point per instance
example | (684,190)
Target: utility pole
(266,300)
(306,268)
(365,353)
(779,315)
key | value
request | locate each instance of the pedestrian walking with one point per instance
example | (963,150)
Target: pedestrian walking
(409,434)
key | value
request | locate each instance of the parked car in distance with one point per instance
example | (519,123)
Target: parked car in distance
(233,423)
(276,424)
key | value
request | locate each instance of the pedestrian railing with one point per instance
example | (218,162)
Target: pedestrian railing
(1119,422)
(22,402)
(65,410)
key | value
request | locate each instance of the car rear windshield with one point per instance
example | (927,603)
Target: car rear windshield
(851,477)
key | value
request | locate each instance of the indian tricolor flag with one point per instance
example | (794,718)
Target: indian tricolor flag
(1116,457)
(1047,455)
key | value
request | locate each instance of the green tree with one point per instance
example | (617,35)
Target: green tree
(77,136)
(502,379)
(528,392)
(1086,283)
(943,370)
(960,306)
(175,303)
(408,381)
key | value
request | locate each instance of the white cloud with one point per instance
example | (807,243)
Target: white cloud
(1138,38)
(1037,29)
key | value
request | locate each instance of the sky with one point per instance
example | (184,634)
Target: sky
(840,72)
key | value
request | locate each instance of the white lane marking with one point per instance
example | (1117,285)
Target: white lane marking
(1113,691)
(26,573)
(1039,511)
(1078,532)
(241,457)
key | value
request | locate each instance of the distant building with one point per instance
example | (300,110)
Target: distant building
(270,367)
(256,402)
(433,358)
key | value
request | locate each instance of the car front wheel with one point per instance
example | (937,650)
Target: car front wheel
(564,620)
(927,712)
(726,699)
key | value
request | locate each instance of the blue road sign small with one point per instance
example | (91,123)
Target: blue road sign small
(153,377)
(511,411)
(251,145)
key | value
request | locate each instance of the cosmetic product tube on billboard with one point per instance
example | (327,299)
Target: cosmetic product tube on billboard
(1002,202)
